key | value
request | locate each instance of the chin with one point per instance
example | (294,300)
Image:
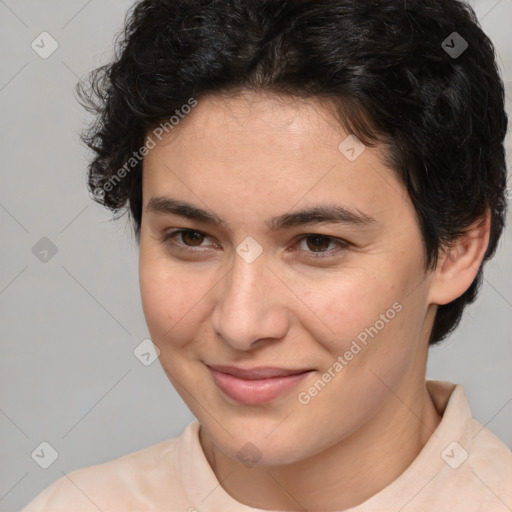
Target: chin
(262,441)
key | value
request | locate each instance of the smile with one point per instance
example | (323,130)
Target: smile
(253,387)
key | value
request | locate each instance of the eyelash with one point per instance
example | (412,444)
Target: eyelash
(343,245)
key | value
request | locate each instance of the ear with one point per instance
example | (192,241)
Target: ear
(458,264)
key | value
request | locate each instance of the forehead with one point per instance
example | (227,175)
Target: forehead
(259,149)
(259,116)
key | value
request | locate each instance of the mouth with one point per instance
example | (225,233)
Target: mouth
(256,386)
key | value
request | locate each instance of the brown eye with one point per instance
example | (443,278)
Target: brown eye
(318,243)
(184,238)
(315,246)
(192,238)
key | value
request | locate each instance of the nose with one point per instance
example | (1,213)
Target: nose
(250,308)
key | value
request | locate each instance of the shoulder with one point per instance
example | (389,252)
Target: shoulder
(475,466)
(491,461)
(113,485)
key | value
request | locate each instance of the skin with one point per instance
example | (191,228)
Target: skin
(248,158)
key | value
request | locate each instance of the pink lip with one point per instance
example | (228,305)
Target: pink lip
(255,386)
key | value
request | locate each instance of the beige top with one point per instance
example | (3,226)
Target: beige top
(463,467)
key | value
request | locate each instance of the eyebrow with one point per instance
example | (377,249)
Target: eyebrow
(325,213)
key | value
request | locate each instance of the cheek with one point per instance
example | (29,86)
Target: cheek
(176,300)
(168,296)
(340,307)
(370,316)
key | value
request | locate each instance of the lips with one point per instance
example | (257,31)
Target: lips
(256,386)
(261,372)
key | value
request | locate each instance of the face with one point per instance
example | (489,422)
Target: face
(339,294)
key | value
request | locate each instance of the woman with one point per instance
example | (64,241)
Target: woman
(315,187)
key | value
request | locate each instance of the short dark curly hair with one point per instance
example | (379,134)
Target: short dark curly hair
(388,66)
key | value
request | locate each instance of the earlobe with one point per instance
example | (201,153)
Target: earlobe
(459,263)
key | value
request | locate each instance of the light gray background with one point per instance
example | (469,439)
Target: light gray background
(68,375)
